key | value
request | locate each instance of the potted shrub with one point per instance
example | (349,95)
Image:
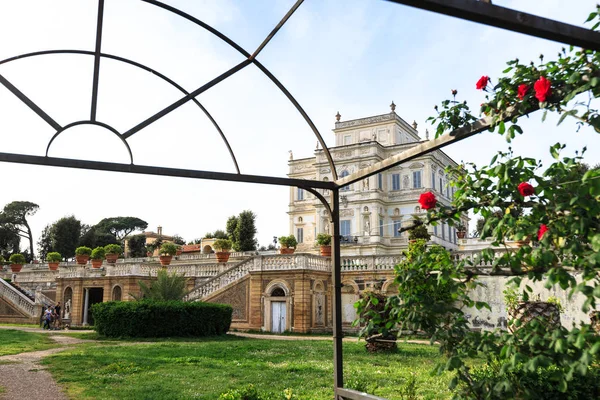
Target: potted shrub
(150,250)
(82,254)
(179,250)
(97,256)
(419,232)
(324,241)
(112,252)
(167,251)
(16,262)
(53,258)
(461,230)
(288,244)
(222,247)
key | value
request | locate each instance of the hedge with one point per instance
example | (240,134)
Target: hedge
(161,318)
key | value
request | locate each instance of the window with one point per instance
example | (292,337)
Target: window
(300,194)
(454,236)
(380,181)
(347,139)
(433,180)
(435,233)
(416,179)
(380,227)
(397,226)
(448,190)
(441,186)
(300,235)
(443,231)
(395,181)
(449,233)
(347,187)
(345,228)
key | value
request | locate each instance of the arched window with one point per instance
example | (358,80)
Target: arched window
(278,292)
(347,187)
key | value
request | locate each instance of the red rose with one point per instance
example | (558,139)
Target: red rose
(542,89)
(522,91)
(482,82)
(543,229)
(427,200)
(526,189)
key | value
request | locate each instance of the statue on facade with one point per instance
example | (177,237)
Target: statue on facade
(366,184)
(367,227)
(67,313)
(406,181)
(291,155)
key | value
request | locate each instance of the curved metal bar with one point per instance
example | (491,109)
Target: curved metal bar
(144,67)
(322,199)
(261,67)
(106,126)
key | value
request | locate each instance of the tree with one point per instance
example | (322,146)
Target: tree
(230,228)
(165,287)
(9,242)
(137,245)
(178,240)
(45,242)
(92,237)
(65,235)
(219,234)
(120,227)
(14,217)
(245,232)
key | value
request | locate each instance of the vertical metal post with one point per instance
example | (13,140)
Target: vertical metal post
(336,279)
(86,303)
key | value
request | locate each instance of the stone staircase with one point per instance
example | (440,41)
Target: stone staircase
(18,305)
(257,263)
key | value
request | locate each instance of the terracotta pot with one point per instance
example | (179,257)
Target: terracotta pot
(222,256)
(111,258)
(165,260)
(96,263)
(461,234)
(82,260)
(326,251)
(526,311)
(16,267)
(148,254)
(53,266)
(286,250)
(178,253)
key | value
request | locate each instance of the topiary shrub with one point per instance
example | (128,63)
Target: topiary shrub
(17,259)
(98,253)
(168,249)
(161,318)
(83,251)
(53,257)
(222,245)
(113,249)
(289,242)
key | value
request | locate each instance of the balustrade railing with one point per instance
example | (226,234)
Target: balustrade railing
(17,299)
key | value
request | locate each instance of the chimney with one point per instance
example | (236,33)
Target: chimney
(159,230)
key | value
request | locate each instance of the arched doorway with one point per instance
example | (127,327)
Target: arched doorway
(277,307)
(278,311)
(117,293)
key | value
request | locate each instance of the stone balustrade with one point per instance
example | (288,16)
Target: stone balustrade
(17,299)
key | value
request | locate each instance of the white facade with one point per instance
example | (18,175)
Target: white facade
(374,209)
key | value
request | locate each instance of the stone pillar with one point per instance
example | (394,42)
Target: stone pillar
(86,304)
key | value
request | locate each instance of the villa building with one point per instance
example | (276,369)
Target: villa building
(373,210)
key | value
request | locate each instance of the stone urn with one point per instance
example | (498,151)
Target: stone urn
(222,256)
(82,260)
(548,313)
(461,234)
(16,267)
(96,263)
(325,251)
(53,266)
(287,250)
(165,260)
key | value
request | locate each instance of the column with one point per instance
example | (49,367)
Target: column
(86,303)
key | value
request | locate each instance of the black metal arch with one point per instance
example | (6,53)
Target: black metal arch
(97,123)
(139,65)
(252,58)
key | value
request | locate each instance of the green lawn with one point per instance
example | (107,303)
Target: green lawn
(203,369)
(14,342)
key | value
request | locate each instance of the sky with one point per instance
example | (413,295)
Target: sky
(351,56)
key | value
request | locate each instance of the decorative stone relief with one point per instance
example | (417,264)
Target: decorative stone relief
(325,170)
(347,213)
(237,298)
(343,154)
(365,121)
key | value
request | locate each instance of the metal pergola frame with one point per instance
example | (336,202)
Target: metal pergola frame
(481,11)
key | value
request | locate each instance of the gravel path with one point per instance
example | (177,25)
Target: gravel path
(23,378)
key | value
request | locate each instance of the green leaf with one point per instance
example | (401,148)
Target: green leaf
(374,301)
(554,152)
(501,128)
